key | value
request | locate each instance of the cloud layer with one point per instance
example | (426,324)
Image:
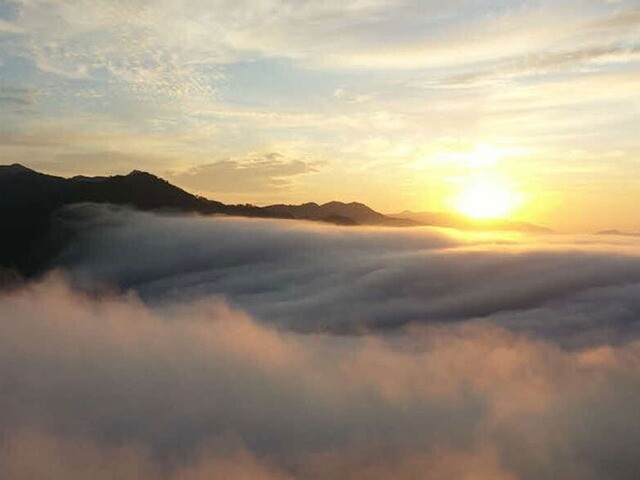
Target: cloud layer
(176,347)
(105,387)
(310,277)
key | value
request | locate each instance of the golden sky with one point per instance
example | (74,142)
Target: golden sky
(400,104)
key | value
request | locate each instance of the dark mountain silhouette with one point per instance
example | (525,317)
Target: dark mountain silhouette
(460,222)
(338,212)
(28,200)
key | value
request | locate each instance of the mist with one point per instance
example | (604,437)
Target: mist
(185,347)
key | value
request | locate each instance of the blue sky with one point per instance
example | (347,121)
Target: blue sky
(390,102)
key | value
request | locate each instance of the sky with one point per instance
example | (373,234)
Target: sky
(395,103)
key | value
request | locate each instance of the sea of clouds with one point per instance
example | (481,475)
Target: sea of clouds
(176,347)
(312,277)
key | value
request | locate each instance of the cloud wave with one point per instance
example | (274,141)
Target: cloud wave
(311,277)
(106,387)
(172,347)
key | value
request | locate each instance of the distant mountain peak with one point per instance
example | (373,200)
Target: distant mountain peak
(30,198)
(341,213)
(15,168)
(139,176)
(85,178)
(338,203)
(140,173)
(461,222)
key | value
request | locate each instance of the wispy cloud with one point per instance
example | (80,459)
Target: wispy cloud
(258,173)
(380,84)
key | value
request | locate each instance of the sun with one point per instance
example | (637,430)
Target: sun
(486,199)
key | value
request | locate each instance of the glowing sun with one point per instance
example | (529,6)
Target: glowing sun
(486,199)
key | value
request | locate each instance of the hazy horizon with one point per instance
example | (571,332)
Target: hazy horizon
(480,225)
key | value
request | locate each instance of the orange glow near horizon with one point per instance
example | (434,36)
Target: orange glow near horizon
(486,198)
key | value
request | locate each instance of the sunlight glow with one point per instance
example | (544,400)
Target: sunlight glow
(486,199)
(484,156)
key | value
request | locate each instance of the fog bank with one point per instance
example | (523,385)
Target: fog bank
(106,387)
(311,277)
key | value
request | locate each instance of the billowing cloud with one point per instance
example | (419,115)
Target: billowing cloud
(103,386)
(311,277)
(173,347)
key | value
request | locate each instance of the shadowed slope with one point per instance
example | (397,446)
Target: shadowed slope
(28,198)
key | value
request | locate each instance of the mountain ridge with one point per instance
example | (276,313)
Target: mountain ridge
(29,199)
(355,213)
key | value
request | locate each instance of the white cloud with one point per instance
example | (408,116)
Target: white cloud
(314,278)
(184,387)
(172,48)
(103,387)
